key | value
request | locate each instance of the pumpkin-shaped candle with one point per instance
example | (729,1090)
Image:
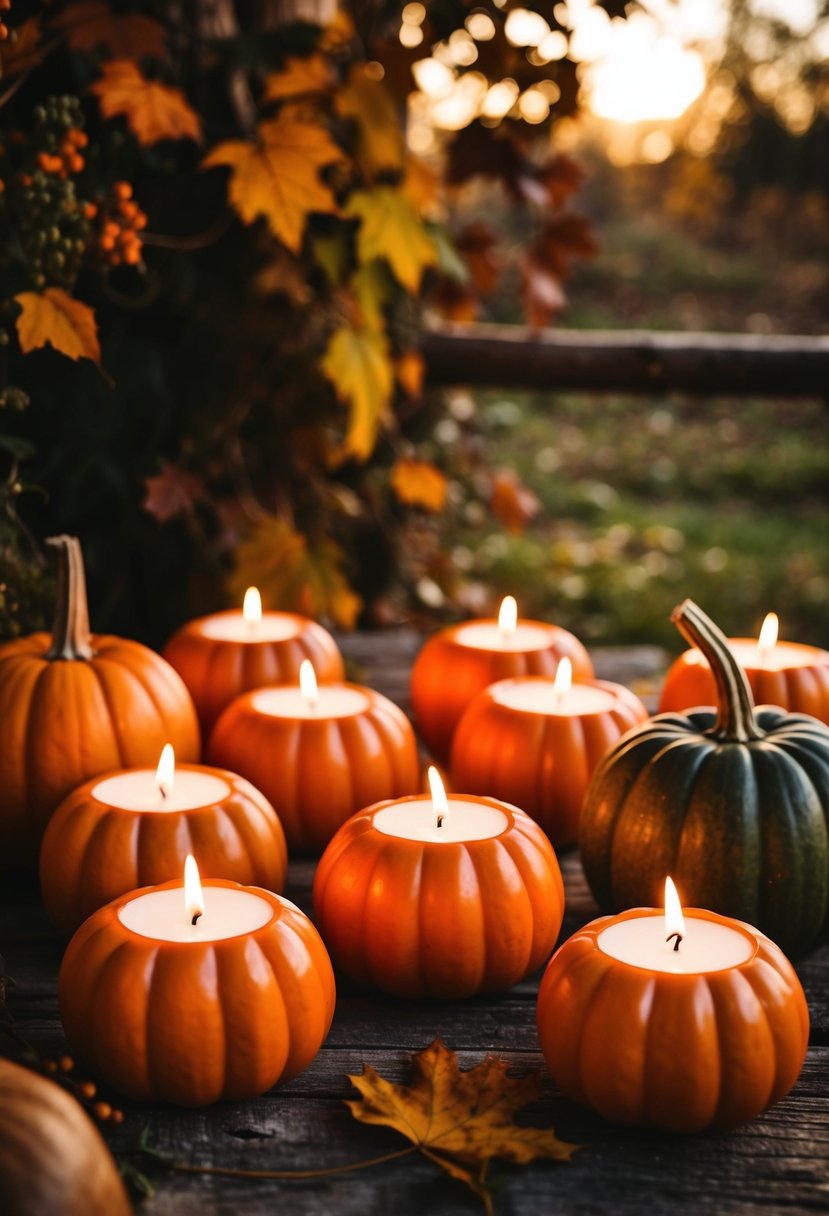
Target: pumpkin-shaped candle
(439,897)
(788,674)
(227,653)
(75,705)
(191,994)
(689,1022)
(461,661)
(535,742)
(318,752)
(134,828)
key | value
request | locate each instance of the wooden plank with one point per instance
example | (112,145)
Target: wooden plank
(635,361)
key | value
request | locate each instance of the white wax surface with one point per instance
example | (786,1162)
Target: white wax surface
(227,913)
(706,946)
(781,656)
(485,635)
(536,696)
(333,701)
(232,627)
(136,790)
(416,820)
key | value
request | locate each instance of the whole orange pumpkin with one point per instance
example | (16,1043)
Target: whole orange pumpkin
(75,705)
(52,1158)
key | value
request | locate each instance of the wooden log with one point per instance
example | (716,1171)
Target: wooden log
(634,361)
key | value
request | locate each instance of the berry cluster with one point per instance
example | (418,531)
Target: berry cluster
(5,5)
(120,220)
(86,1092)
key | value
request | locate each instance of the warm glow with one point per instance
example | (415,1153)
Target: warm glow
(674,920)
(508,616)
(564,679)
(414,14)
(553,47)
(768,634)
(463,104)
(410,36)
(252,606)
(433,78)
(500,98)
(308,682)
(481,26)
(533,106)
(439,803)
(193,897)
(525,28)
(165,774)
(641,74)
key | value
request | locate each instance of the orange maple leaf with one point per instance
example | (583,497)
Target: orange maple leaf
(22,50)
(277,177)
(153,111)
(512,502)
(89,24)
(300,77)
(418,484)
(53,318)
(459,1119)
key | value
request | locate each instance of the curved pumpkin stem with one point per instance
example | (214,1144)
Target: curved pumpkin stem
(735,704)
(70,632)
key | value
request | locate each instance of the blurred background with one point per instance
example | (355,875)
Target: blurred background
(266,415)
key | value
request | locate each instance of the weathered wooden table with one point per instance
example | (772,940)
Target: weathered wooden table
(779,1163)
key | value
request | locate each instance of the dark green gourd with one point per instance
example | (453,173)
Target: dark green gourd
(733,803)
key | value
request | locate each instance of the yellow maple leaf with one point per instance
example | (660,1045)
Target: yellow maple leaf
(459,1119)
(277,177)
(89,24)
(418,484)
(367,102)
(300,77)
(22,50)
(294,574)
(153,111)
(390,228)
(357,363)
(53,318)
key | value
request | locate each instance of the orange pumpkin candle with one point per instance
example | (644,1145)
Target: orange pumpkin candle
(318,753)
(690,1024)
(74,705)
(228,653)
(459,662)
(190,995)
(439,897)
(788,674)
(134,828)
(536,742)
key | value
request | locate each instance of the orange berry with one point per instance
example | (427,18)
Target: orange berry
(4,32)
(51,1066)
(123,190)
(111,228)
(79,137)
(76,163)
(132,256)
(88,1089)
(117,1116)
(90,210)
(107,243)
(140,221)
(2,186)
(66,1063)
(102,1110)
(25,180)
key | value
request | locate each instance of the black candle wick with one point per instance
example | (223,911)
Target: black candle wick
(678,937)
(196,917)
(440,821)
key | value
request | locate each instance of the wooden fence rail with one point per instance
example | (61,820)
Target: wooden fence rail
(634,361)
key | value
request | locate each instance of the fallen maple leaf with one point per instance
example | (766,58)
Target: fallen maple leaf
(390,228)
(171,493)
(511,501)
(21,51)
(53,318)
(153,111)
(367,102)
(418,484)
(357,363)
(300,77)
(89,24)
(277,177)
(459,1119)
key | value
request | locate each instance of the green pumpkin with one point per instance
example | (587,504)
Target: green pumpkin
(732,803)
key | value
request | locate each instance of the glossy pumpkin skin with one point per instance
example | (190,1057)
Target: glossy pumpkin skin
(217,671)
(75,705)
(439,920)
(686,1053)
(540,762)
(804,690)
(317,773)
(732,804)
(93,852)
(52,1158)
(447,676)
(196,1023)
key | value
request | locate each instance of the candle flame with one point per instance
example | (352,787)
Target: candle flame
(674,920)
(439,803)
(564,679)
(193,895)
(252,606)
(508,616)
(768,634)
(308,682)
(165,774)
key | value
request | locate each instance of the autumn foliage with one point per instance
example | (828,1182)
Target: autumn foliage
(222,226)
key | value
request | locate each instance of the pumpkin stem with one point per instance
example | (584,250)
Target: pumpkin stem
(70,632)
(735,704)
